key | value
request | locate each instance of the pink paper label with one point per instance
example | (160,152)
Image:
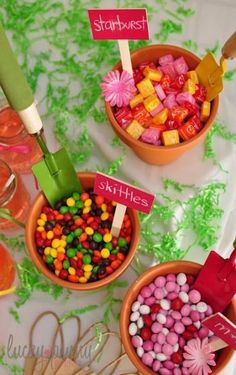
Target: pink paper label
(119,24)
(222,328)
(120,192)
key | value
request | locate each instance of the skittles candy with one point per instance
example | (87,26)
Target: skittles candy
(74,239)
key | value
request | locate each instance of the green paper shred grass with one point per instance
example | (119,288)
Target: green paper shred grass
(201,215)
(111,302)
(72,63)
(31,280)
(230,74)
(77,312)
(219,129)
(12,368)
(14,243)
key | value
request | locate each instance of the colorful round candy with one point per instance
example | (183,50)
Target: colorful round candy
(75,241)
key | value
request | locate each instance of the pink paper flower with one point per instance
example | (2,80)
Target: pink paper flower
(198,357)
(118,88)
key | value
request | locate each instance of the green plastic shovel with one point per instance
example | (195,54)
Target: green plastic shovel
(55,173)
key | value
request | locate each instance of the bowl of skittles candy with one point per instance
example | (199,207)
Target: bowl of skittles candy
(72,244)
(169,113)
(161,313)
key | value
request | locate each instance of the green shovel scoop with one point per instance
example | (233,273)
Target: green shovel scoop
(55,173)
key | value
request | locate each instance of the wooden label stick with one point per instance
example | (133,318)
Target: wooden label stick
(217,345)
(125,56)
(118,219)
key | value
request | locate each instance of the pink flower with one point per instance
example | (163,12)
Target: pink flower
(118,88)
(198,357)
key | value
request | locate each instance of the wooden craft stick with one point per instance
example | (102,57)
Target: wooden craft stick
(118,219)
(217,345)
(125,56)
(53,365)
(68,367)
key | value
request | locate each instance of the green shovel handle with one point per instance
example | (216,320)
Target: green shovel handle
(12,80)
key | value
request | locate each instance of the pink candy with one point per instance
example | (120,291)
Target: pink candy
(152,136)
(146,292)
(179,327)
(180,66)
(194,296)
(170,101)
(169,69)
(167,349)
(156,366)
(160,281)
(148,345)
(157,110)
(156,327)
(172,338)
(185,97)
(160,92)
(170,286)
(147,359)
(166,59)
(137,341)
(158,293)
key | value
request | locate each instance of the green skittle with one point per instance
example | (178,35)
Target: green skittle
(55,173)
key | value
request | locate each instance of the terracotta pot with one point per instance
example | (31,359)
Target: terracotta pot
(147,277)
(159,155)
(87,181)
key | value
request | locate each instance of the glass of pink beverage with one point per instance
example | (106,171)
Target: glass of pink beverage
(13,196)
(19,149)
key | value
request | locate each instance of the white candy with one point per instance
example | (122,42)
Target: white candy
(165,331)
(134,316)
(144,309)
(165,305)
(210,333)
(153,354)
(184,297)
(133,329)
(197,324)
(161,357)
(136,306)
(164,291)
(176,347)
(201,307)
(181,279)
(140,351)
(140,323)
(161,318)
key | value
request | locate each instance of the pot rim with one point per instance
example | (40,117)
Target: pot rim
(37,260)
(146,146)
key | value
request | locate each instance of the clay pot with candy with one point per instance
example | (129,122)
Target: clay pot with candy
(72,244)
(169,114)
(161,314)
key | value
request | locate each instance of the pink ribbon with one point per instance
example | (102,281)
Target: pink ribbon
(20,149)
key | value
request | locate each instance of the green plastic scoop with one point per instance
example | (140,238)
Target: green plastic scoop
(55,173)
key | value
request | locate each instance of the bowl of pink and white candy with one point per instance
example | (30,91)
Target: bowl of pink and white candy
(162,111)
(161,323)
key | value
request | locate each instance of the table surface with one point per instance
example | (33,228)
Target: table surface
(213,20)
